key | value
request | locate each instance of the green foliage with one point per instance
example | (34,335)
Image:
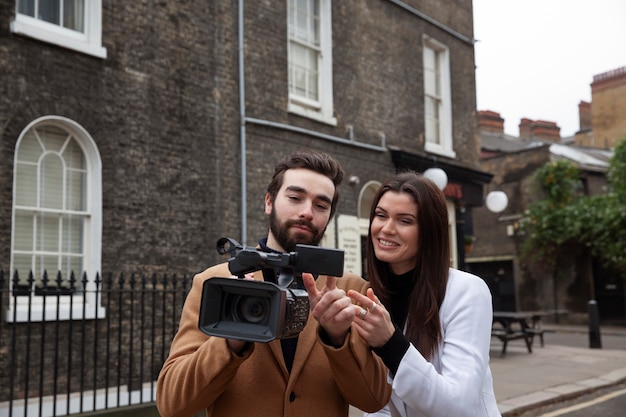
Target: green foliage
(563,218)
(605,227)
(550,223)
(558,181)
(617,171)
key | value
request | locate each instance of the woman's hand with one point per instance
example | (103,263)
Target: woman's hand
(372,320)
(331,307)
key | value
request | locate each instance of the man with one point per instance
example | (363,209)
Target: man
(320,372)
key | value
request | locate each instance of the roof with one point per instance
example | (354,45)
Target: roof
(586,158)
(590,159)
(492,141)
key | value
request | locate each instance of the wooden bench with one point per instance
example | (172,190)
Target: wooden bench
(536,328)
(507,335)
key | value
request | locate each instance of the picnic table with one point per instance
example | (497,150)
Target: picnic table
(517,325)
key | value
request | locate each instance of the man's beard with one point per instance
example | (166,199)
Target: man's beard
(289,241)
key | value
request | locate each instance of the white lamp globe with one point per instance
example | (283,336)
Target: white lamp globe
(438,176)
(496,201)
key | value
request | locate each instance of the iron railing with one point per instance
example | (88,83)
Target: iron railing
(53,365)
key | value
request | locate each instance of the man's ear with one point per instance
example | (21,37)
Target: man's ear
(268,204)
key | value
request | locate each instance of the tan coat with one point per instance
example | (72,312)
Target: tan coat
(201,372)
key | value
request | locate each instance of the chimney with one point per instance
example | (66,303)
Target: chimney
(608,79)
(584,115)
(524,128)
(490,121)
(539,129)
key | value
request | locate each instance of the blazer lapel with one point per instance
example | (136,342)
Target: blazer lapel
(306,341)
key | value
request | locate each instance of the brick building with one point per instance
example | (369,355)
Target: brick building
(133,135)
(513,161)
(603,121)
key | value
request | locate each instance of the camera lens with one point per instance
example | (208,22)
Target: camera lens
(250,309)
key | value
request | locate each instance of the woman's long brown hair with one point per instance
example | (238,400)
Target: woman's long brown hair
(423,326)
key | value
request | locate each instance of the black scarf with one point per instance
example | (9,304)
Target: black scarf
(288,345)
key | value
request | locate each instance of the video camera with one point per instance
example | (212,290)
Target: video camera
(261,311)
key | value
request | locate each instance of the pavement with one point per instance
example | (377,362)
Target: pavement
(557,371)
(564,368)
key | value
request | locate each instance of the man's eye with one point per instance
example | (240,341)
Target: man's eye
(293,197)
(322,207)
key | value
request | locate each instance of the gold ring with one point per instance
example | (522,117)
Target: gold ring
(362,313)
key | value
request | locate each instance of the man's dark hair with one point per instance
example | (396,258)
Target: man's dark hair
(319,162)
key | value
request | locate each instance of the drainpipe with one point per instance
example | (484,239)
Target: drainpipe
(242,127)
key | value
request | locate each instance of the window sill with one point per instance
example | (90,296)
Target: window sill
(49,36)
(312,114)
(449,153)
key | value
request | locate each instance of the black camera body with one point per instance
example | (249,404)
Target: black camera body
(260,311)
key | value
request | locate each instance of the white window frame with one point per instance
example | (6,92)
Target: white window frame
(443,146)
(321,109)
(88,42)
(18,309)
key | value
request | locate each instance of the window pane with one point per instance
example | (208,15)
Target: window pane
(52,182)
(74,15)
(431,113)
(23,238)
(48,232)
(72,264)
(75,177)
(72,234)
(49,11)
(49,264)
(52,138)
(313,75)
(431,131)
(22,264)
(30,148)
(26,7)
(26,182)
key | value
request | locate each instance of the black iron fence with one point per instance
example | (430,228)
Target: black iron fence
(76,345)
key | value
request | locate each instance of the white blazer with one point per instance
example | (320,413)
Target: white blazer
(457,382)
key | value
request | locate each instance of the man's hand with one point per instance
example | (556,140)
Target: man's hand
(331,307)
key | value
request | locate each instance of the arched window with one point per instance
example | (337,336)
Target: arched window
(57,210)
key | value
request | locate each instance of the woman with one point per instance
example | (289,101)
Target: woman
(430,324)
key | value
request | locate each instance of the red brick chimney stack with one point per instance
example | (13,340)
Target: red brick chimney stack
(490,121)
(584,115)
(539,129)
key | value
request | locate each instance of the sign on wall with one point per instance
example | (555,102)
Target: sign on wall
(349,239)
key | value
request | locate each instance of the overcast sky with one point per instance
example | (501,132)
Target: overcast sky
(537,58)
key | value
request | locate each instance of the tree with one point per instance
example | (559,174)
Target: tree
(564,220)
(549,224)
(604,229)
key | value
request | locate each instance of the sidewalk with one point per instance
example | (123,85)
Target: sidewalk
(523,380)
(555,372)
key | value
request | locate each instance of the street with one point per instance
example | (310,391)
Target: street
(608,402)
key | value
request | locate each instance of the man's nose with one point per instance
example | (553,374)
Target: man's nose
(306,210)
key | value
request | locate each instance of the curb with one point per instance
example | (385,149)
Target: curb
(513,407)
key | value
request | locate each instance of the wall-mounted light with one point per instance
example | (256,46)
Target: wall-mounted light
(438,176)
(496,201)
